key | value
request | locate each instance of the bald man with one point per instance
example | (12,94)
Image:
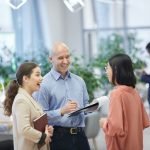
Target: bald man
(62,92)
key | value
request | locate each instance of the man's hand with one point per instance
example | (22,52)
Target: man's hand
(69,107)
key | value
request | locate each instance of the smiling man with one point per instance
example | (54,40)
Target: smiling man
(62,92)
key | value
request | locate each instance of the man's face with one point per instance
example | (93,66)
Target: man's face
(61,60)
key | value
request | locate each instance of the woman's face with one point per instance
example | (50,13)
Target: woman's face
(109,72)
(33,82)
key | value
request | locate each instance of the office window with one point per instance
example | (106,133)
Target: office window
(122,17)
(7,37)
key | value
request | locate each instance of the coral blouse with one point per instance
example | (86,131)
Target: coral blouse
(126,120)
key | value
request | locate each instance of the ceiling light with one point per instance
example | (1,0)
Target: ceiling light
(74,5)
(16,4)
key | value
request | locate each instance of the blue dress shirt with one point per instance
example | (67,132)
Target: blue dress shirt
(56,91)
(146,78)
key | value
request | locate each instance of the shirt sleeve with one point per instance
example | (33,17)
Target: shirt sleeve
(85,95)
(146,121)
(114,123)
(145,78)
(43,98)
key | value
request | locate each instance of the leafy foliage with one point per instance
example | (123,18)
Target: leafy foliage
(113,45)
(108,47)
(43,60)
(87,73)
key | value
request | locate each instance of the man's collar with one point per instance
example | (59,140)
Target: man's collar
(57,75)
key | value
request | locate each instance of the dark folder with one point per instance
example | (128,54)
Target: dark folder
(41,122)
(87,109)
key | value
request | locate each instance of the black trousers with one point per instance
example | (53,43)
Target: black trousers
(65,138)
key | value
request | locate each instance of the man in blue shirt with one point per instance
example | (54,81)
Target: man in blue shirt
(62,92)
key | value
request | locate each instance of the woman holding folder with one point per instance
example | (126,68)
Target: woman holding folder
(24,109)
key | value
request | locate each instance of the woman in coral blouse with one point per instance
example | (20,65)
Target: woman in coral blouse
(127,117)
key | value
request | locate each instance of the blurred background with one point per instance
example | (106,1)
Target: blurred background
(93,29)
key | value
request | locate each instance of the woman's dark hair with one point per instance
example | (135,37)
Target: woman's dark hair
(25,69)
(148,47)
(122,70)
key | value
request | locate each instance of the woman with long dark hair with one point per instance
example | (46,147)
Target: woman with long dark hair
(24,109)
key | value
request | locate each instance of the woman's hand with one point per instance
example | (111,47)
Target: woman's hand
(50,130)
(102,121)
(49,133)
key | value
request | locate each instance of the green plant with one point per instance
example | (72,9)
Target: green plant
(87,73)
(108,47)
(43,61)
(113,45)
(5,73)
(133,43)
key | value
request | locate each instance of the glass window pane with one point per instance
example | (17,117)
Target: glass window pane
(5,17)
(138,12)
(7,44)
(109,13)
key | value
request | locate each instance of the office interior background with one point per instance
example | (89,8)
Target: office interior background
(91,28)
(37,24)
